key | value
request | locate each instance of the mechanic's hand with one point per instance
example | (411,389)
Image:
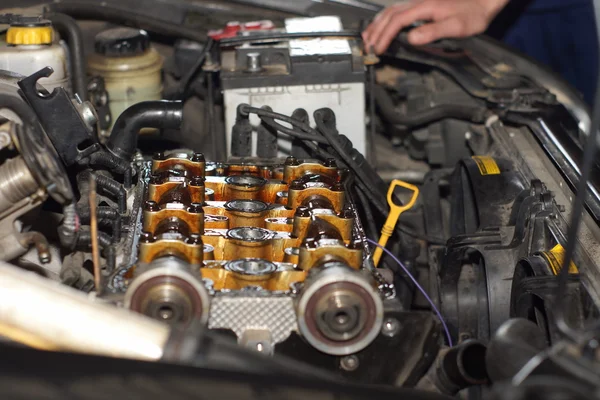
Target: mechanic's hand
(449,19)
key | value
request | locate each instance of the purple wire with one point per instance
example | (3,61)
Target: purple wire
(421,289)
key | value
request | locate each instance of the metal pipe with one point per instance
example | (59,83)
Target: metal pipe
(41,244)
(94,232)
(45,314)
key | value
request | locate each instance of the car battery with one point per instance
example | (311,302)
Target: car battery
(316,72)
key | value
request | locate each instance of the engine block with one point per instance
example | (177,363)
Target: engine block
(261,250)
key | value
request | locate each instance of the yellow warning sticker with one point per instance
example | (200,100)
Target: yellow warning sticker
(487,165)
(556,257)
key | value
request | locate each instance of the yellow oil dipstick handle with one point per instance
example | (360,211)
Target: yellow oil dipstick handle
(394,215)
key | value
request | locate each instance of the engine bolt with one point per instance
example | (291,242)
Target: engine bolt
(337,187)
(356,244)
(347,213)
(194,239)
(296,185)
(197,181)
(198,157)
(390,327)
(158,156)
(343,173)
(302,212)
(156,179)
(296,287)
(44,257)
(253,62)
(331,163)
(151,206)
(195,208)
(291,160)
(349,363)
(146,237)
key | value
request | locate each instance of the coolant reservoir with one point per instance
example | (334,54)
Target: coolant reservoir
(130,67)
(29,45)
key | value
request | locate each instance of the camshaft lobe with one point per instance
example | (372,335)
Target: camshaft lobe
(16,182)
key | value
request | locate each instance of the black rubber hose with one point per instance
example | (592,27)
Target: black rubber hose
(85,239)
(107,216)
(102,12)
(460,367)
(457,111)
(114,188)
(110,161)
(70,30)
(147,114)
(103,213)
(105,243)
(105,185)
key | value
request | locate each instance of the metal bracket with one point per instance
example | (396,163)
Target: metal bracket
(62,122)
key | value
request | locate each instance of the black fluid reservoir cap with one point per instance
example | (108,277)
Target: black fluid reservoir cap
(119,42)
(22,21)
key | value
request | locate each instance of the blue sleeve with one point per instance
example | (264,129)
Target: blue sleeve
(558,33)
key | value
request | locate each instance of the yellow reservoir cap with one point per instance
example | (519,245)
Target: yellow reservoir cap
(24,35)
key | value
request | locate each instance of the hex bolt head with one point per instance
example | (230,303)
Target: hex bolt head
(197,181)
(158,156)
(44,257)
(156,179)
(253,62)
(146,237)
(349,363)
(302,212)
(390,327)
(195,208)
(194,239)
(150,205)
(296,185)
(291,160)
(198,157)
(356,244)
(347,213)
(338,187)
(331,163)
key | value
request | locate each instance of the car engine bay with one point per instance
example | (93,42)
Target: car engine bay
(249,190)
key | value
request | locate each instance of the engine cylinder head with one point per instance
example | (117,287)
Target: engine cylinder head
(168,291)
(16,182)
(246,206)
(248,242)
(339,311)
(251,266)
(249,234)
